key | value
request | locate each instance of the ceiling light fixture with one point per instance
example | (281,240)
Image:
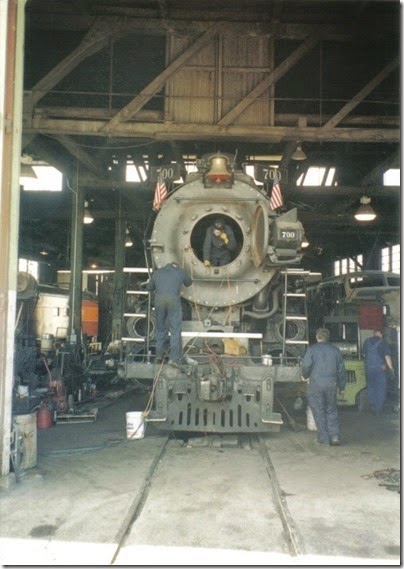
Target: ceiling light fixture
(298,154)
(365,211)
(88,218)
(128,239)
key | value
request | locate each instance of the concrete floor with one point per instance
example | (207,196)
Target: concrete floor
(207,505)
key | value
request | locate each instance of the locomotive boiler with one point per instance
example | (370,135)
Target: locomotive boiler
(244,327)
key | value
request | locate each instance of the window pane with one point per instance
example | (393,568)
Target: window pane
(27,266)
(336,268)
(395,259)
(344,266)
(385,259)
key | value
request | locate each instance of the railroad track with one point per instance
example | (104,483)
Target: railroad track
(196,484)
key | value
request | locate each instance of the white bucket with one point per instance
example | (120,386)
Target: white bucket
(311,424)
(135,425)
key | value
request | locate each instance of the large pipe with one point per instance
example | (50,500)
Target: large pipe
(274,309)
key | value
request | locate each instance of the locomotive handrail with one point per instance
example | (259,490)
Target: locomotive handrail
(252,335)
(219,199)
(230,280)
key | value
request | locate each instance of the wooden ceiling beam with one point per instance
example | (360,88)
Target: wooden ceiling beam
(269,80)
(158,82)
(191,131)
(376,174)
(96,39)
(364,92)
(145,115)
(192,22)
(313,193)
(81,155)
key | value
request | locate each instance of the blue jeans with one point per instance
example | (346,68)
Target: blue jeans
(377,383)
(168,319)
(220,261)
(322,401)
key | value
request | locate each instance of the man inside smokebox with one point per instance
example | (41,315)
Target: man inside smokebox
(219,241)
(167,283)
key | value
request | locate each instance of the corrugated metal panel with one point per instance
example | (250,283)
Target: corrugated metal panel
(217,78)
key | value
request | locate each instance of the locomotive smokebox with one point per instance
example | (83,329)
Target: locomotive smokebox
(264,239)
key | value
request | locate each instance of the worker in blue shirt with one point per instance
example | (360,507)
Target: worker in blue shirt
(219,241)
(377,354)
(324,370)
(167,283)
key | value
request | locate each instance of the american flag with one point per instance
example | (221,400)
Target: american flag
(160,194)
(276,195)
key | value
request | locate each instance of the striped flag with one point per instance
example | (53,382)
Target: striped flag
(276,195)
(160,194)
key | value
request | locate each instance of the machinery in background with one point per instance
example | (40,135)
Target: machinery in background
(351,306)
(345,333)
(244,325)
(48,370)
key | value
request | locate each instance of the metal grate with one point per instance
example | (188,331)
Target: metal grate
(350,376)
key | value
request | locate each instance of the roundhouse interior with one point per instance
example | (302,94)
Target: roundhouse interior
(106,96)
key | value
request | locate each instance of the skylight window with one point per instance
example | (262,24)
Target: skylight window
(317,176)
(135,173)
(391,177)
(48,179)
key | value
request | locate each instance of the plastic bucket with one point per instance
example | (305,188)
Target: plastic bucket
(311,424)
(44,418)
(135,425)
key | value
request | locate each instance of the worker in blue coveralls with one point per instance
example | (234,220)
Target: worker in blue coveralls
(219,241)
(167,283)
(377,354)
(324,370)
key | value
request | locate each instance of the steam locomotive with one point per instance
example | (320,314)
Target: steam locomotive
(244,329)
